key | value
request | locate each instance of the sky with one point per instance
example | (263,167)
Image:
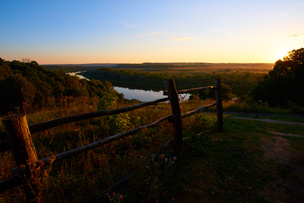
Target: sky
(137,31)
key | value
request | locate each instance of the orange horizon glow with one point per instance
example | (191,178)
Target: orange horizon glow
(63,32)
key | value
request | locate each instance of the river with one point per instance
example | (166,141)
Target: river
(140,95)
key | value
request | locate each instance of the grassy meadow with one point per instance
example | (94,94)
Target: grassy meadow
(167,67)
(195,68)
(244,163)
(91,173)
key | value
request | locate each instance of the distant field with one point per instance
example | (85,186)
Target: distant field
(198,67)
(173,67)
(259,68)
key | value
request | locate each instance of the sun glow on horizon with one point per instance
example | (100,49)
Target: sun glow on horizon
(153,31)
(281,53)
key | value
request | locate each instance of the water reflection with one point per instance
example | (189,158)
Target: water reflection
(144,95)
(140,95)
(77,74)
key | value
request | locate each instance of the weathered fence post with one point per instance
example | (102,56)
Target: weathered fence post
(178,144)
(25,155)
(219,106)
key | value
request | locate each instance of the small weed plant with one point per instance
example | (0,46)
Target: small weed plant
(159,168)
(115,197)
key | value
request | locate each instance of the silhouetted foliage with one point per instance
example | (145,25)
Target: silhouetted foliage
(26,86)
(284,83)
(210,93)
(16,91)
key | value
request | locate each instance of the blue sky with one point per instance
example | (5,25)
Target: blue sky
(136,31)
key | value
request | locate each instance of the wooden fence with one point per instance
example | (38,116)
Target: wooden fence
(17,137)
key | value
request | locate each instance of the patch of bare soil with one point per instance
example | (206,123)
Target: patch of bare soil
(278,149)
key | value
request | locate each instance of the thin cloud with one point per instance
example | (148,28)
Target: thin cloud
(178,39)
(160,34)
(154,33)
(139,35)
(296,36)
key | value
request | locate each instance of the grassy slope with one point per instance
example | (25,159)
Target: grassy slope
(91,173)
(243,163)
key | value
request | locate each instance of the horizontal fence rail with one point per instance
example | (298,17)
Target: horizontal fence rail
(70,119)
(198,110)
(104,141)
(14,182)
(191,90)
(6,144)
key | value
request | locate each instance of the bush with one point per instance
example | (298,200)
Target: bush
(113,123)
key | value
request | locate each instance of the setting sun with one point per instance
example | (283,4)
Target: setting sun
(282,53)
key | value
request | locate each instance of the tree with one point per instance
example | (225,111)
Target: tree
(5,70)
(25,60)
(17,92)
(209,93)
(29,86)
(284,83)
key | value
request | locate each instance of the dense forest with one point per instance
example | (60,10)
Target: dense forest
(77,67)
(29,86)
(239,83)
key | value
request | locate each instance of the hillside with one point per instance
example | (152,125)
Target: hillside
(247,162)
(78,67)
(28,87)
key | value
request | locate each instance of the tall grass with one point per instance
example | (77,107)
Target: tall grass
(86,174)
(261,108)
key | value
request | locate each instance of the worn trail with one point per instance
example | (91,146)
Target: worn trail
(273,121)
(269,120)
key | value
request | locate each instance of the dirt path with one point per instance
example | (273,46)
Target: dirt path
(275,148)
(278,148)
(269,120)
(273,121)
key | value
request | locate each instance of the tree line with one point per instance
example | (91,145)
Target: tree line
(234,84)
(27,86)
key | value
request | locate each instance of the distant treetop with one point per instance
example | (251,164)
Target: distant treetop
(284,84)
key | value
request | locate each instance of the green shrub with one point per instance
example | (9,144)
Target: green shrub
(113,123)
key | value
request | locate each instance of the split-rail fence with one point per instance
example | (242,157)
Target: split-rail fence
(17,136)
